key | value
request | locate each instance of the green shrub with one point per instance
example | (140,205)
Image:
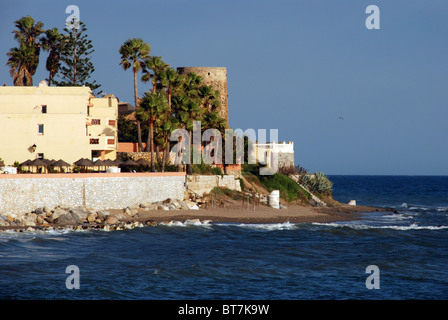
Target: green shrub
(288,188)
(250,168)
(169,167)
(217,171)
(318,183)
(223,191)
(241,184)
(206,169)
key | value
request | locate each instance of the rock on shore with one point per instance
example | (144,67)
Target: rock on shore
(80,218)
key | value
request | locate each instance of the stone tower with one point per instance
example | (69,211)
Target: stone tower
(217,78)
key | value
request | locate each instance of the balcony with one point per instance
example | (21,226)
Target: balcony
(102,142)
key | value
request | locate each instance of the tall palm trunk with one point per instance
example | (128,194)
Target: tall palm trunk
(151,143)
(165,156)
(189,167)
(169,100)
(139,130)
(158,158)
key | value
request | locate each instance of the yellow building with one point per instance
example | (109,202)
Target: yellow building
(65,123)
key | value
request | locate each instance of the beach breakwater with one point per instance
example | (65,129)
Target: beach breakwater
(22,193)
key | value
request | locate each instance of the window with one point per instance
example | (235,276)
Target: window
(40,129)
(40,156)
(96,121)
(94,141)
(112,123)
(110,141)
(44,109)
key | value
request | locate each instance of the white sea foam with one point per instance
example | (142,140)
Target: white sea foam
(186,223)
(398,216)
(269,226)
(420,207)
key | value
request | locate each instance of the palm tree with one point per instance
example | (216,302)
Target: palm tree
(134,53)
(27,34)
(209,97)
(166,124)
(212,120)
(158,67)
(19,62)
(191,85)
(153,105)
(53,42)
(171,80)
(189,111)
(27,31)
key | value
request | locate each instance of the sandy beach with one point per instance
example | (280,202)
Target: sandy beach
(261,214)
(232,212)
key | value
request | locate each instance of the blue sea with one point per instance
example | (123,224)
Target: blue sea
(408,251)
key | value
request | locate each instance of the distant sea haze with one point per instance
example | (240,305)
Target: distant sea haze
(286,261)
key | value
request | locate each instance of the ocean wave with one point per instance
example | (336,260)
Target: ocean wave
(268,226)
(355,226)
(420,207)
(186,223)
(33,234)
(398,216)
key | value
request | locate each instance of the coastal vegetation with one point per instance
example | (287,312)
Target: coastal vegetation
(295,184)
(134,52)
(74,67)
(170,101)
(173,101)
(69,54)
(24,59)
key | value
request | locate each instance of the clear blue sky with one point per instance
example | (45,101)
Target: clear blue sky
(296,66)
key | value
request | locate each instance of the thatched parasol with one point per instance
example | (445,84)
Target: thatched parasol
(25,163)
(78,162)
(38,163)
(50,162)
(84,162)
(99,163)
(60,163)
(109,162)
(118,162)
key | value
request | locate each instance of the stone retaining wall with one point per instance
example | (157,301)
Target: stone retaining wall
(23,193)
(201,184)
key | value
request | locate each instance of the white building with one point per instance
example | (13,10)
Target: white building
(267,153)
